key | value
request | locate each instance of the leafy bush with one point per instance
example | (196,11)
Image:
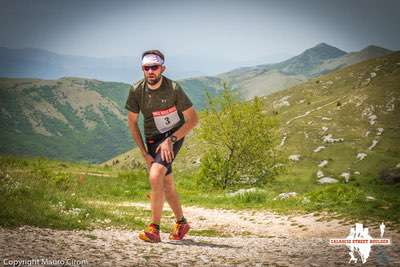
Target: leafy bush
(240,141)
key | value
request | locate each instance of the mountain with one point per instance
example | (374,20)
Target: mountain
(352,58)
(70,118)
(197,89)
(265,79)
(304,64)
(73,118)
(249,81)
(84,119)
(347,119)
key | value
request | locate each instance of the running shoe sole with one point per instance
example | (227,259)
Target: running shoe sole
(148,237)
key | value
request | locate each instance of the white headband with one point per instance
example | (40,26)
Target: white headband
(152,59)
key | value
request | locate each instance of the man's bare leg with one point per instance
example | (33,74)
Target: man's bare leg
(156,178)
(172,196)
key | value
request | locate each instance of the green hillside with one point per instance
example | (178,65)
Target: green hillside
(70,118)
(332,107)
(73,118)
(85,120)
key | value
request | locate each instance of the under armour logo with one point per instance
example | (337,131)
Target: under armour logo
(163,100)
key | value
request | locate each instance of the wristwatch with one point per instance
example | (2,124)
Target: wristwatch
(173,139)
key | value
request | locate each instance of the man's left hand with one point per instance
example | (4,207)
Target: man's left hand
(166,149)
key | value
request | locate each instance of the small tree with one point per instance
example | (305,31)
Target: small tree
(240,143)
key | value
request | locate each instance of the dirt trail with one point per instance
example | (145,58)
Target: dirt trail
(249,239)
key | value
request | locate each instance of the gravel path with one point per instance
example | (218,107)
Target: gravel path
(278,241)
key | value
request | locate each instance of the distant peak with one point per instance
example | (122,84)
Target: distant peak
(322,45)
(326,47)
(323,51)
(374,48)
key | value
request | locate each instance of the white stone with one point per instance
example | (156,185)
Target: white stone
(374,143)
(285,195)
(318,149)
(326,119)
(323,163)
(281,102)
(370,198)
(380,131)
(398,165)
(283,139)
(357,172)
(204,258)
(361,156)
(324,128)
(346,176)
(367,133)
(327,180)
(196,161)
(390,104)
(278,165)
(372,119)
(295,157)
(242,191)
(320,174)
(373,74)
(329,139)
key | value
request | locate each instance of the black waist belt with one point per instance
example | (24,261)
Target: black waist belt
(159,137)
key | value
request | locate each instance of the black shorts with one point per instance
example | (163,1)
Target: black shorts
(153,142)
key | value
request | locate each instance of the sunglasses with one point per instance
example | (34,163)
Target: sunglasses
(153,68)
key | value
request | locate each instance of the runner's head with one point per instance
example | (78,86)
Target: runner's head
(153,66)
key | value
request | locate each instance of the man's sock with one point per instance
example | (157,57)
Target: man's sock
(182,220)
(157,226)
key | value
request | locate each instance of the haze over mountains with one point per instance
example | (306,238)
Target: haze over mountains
(43,64)
(77,118)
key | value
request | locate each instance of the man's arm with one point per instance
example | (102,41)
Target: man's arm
(135,131)
(191,121)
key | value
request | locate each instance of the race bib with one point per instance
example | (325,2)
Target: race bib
(166,119)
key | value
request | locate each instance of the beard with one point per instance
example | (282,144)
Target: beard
(154,80)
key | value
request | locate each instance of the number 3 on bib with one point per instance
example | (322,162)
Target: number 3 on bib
(166,119)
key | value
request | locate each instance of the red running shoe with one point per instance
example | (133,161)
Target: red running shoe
(179,231)
(150,234)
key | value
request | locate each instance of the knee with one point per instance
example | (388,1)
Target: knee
(156,174)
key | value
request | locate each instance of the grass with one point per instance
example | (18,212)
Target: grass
(35,192)
(47,193)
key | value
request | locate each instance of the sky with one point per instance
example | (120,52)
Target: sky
(248,32)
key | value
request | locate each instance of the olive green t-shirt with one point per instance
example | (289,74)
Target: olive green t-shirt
(161,108)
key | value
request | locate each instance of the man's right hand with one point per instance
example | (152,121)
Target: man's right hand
(149,160)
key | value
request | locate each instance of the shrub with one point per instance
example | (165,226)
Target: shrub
(240,141)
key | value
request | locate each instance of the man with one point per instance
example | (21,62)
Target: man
(168,117)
